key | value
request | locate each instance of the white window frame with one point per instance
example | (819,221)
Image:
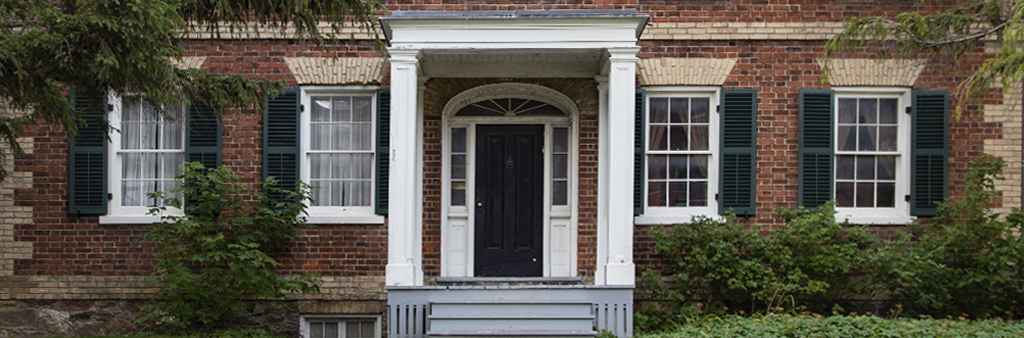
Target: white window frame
(332,214)
(676,215)
(116,213)
(900,213)
(304,321)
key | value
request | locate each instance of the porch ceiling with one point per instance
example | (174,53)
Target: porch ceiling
(544,43)
(512,62)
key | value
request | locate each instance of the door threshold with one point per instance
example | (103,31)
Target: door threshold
(484,280)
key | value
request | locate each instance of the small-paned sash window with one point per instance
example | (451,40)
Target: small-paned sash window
(866,152)
(341,150)
(152,151)
(678,151)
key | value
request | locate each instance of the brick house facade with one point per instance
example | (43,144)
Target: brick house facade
(88,271)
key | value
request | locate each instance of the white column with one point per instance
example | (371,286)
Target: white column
(404,246)
(602,178)
(619,269)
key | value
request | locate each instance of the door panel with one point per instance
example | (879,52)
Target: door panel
(509,200)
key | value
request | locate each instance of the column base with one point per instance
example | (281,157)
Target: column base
(620,274)
(402,275)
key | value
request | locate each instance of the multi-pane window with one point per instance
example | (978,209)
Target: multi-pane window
(458,174)
(560,166)
(151,151)
(678,151)
(340,153)
(867,152)
(337,328)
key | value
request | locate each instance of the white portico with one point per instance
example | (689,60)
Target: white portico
(588,44)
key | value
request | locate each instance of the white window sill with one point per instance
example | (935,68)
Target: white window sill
(863,218)
(130,219)
(344,219)
(679,218)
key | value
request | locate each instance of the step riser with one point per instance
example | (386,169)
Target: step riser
(507,310)
(500,325)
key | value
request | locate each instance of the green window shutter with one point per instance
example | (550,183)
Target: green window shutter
(281,138)
(202,140)
(383,148)
(88,157)
(929,146)
(738,151)
(203,137)
(815,146)
(639,152)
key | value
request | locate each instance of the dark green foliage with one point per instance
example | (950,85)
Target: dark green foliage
(133,46)
(223,251)
(948,34)
(719,265)
(773,325)
(967,261)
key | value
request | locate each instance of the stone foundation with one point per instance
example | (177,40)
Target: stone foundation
(45,318)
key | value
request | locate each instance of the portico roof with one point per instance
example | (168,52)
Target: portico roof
(528,43)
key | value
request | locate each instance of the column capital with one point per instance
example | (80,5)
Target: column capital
(602,84)
(623,53)
(405,55)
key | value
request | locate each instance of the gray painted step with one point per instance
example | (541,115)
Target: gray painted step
(514,334)
(511,308)
(511,318)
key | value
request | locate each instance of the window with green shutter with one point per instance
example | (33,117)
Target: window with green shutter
(336,140)
(879,153)
(677,148)
(150,144)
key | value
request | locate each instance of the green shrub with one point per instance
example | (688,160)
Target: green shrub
(222,252)
(835,258)
(968,260)
(721,266)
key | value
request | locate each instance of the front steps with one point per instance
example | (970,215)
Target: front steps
(509,311)
(510,318)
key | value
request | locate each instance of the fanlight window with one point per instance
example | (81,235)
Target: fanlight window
(510,107)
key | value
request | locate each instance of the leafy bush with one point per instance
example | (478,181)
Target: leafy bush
(719,265)
(839,327)
(968,260)
(223,250)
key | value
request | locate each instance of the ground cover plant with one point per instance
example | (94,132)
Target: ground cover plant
(789,326)
(966,262)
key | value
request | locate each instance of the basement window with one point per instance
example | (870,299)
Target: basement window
(340,327)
